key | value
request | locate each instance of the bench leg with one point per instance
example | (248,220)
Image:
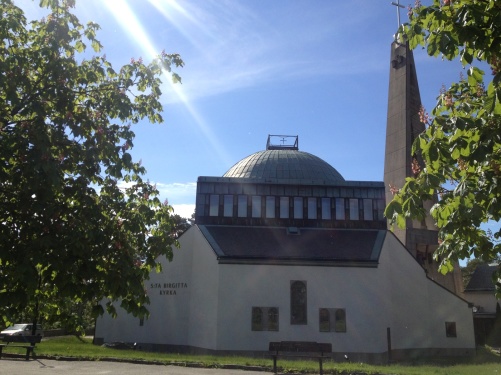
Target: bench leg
(30,350)
(320,363)
(274,364)
(1,347)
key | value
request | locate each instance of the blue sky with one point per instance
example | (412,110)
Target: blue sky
(314,68)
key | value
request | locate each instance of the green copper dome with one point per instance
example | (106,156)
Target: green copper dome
(285,165)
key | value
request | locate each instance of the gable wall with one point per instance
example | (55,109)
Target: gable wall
(420,307)
(169,313)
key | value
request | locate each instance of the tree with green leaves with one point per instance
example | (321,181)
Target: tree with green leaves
(180,225)
(460,148)
(78,223)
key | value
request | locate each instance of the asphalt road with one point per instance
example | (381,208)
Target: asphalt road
(10,366)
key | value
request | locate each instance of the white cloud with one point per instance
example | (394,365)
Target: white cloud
(178,193)
(184,210)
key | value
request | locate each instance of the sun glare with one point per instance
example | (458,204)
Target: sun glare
(125,17)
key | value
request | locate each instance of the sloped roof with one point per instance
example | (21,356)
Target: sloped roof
(243,244)
(481,280)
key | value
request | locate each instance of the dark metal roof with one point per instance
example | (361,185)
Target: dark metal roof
(481,280)
(284,165)
(279,245)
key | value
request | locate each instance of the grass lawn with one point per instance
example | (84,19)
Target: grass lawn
(485,363)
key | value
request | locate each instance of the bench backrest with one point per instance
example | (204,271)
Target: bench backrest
(27,339)
(300,347)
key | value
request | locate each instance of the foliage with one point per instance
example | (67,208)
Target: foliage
(461,146)
(180,225)
(78,224)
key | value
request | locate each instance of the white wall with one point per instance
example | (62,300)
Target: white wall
(204,291)
(355,289)
(397,295)
(214,310)
(420,307)
(169,313)
(169,319)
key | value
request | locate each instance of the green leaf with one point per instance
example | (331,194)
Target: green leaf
(79,46)
(475,76)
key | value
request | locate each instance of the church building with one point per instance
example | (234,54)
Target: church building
(285,249)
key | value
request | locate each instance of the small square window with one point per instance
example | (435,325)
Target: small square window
(450,329)
(265,318)
(332,320)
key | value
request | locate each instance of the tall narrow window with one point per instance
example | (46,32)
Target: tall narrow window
(284,207)
(312,208)
(214,205)
(368,211)
(324,320)
(354,213)
(380,209)
(340,320)
(228,206)
(298,303)
(270,207)
(326,208)
(257,319)
(256,206)
(242,206)
(340,210)
(298,207)
(272,319)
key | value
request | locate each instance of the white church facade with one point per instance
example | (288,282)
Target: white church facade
(285,249)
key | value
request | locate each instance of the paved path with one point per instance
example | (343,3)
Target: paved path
(9,366)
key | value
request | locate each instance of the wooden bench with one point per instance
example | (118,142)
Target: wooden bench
(300,349)
(26,342)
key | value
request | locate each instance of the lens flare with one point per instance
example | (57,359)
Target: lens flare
(169,9)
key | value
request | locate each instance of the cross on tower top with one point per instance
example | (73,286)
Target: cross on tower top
(398,5)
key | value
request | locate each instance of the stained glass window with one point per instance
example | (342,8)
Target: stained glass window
(298,302)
